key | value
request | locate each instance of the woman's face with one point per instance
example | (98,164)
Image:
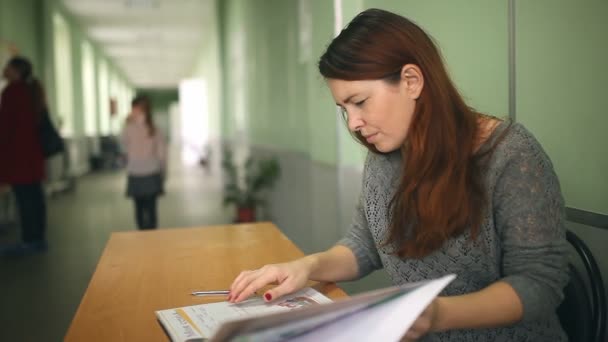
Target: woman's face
(380,111)
(138,109)
(10,74)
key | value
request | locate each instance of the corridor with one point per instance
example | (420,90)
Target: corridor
(243,76)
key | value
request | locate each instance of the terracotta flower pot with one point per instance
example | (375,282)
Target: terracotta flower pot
(245,215)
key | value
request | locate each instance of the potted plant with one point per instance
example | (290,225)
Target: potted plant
(245,186)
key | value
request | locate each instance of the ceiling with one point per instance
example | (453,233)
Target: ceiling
(154,42)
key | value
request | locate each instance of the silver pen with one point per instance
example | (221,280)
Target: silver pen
(211,293)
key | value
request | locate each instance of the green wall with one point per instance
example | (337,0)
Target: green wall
(562,88)
(77,81)
(18,25)
(272,92)
(209,68)
(322,119)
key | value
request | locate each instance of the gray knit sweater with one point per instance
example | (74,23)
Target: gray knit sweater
(521,241)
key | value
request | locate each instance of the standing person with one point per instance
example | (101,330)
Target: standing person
(445,190)
(21,109)
(146,161)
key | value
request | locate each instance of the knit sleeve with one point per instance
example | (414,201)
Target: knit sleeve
(359,239)
(529,216)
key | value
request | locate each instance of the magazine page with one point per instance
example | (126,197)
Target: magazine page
(387,321)
(377,315)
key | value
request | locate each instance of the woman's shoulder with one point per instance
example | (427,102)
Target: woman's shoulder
(513,139)
(518,151)
(15,89)
(15,95)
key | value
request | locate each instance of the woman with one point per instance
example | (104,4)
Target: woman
(146,162)
(445,190)
(21,109)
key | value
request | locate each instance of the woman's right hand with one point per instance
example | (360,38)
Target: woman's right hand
(290,277)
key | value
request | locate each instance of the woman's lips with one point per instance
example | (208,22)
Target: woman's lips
(370,138)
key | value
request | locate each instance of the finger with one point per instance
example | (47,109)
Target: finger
(262,279)
(421,325)
(241,284)
(238,279)
(412,335)
(286,287)
(419,328)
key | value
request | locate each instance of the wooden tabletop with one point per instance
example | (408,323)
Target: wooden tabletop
(143,271)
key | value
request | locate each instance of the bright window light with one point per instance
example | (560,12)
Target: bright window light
(194,119)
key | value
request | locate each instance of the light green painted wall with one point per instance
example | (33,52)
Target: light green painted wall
(77,83)
(255,67)
(18,20)
(273,93)
(322,107)
(350,152)
(232,40)
(208,68)
(562,87)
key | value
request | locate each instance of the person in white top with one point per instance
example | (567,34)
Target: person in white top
(146,154)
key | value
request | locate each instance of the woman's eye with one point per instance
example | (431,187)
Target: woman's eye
(360,103)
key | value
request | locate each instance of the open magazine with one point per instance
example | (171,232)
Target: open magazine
(307,315)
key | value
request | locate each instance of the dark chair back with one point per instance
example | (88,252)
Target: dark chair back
(583,311)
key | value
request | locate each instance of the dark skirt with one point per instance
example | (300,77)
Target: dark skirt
(145,186)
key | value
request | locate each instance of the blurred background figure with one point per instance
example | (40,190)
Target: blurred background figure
(146,154)
(21,110)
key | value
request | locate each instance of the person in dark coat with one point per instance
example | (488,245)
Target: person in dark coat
(21,107)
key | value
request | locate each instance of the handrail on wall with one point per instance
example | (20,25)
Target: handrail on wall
(588,218)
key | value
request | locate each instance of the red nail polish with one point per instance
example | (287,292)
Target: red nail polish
(268,297)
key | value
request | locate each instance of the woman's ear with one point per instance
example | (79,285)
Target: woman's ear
(413,80)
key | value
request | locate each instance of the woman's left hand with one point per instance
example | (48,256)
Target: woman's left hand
(424,324)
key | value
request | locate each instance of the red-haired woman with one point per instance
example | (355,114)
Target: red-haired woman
(445,190)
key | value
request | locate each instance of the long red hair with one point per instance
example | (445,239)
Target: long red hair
(440,191)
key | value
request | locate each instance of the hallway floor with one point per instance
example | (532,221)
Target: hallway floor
(39,294)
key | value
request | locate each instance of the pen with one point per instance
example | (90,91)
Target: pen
(211,293)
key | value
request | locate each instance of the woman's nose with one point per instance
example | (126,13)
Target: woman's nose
(355,122)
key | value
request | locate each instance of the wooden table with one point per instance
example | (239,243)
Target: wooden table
(143,271)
